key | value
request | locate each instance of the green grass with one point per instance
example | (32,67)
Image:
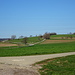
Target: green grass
(37,49)
(30,40)
(58,66)
(34,39)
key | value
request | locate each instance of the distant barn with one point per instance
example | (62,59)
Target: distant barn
(53,33)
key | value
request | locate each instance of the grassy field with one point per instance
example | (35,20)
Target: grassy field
(37,49)
(36,39)
(47,47)
(58,66)
(30,40)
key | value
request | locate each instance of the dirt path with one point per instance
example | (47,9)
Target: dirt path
(22,65)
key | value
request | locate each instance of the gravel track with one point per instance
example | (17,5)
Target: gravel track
(22,65)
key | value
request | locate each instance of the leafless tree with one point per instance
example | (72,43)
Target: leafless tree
(71,37)
(21,37)
(46,36)
(13,37)
(66,37)
(30,35)
(25,39)
(62,37)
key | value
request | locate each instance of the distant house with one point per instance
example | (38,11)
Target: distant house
(53,33)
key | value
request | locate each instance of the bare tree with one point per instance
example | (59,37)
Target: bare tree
(62,37)
(71,37)
(13,37)
(21,37)
(30,35)
(46,36)
(66,37)
(25,39)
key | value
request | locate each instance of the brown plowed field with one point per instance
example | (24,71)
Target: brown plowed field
(4,45)
(56,41)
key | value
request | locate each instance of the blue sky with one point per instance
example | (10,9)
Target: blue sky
(35,17)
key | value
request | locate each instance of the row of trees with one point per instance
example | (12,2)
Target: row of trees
(25,39)
(14,37)
(67,37)
(45,36)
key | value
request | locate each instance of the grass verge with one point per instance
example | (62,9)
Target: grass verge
(58,66)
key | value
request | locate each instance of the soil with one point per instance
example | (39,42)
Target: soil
(56,41)
(4,45)
(16,70)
